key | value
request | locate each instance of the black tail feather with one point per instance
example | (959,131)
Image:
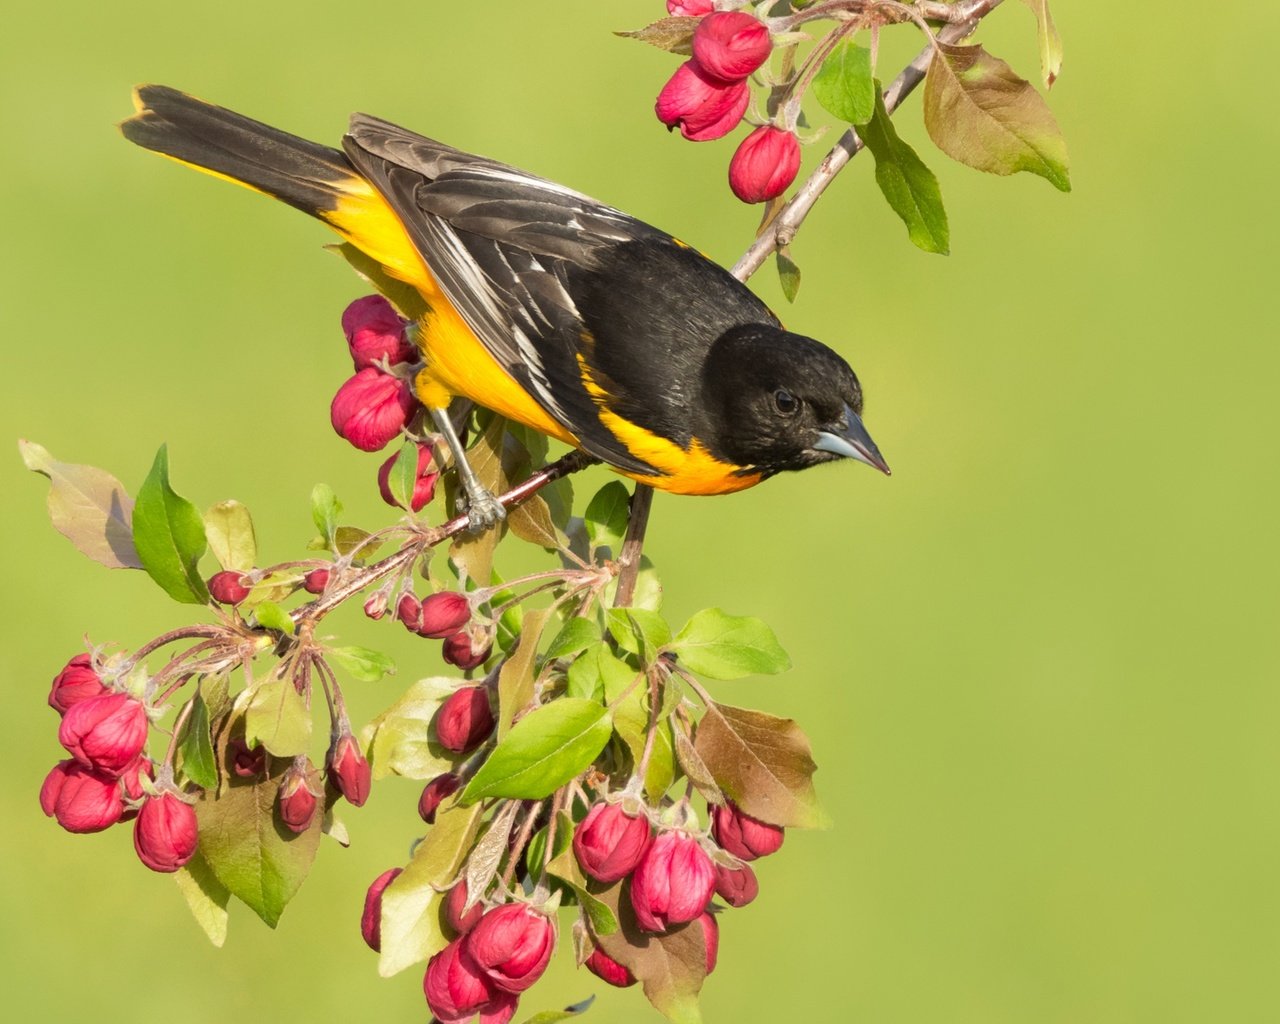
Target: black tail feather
(303,174)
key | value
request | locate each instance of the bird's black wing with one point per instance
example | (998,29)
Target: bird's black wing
(503,246)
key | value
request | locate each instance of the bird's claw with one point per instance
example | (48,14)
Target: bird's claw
(484,512)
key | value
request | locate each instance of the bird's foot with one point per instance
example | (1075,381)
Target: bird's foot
(484,511)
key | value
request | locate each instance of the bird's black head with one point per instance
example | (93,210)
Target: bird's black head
(776,400)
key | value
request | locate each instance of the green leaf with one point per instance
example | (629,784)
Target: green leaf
(402,741)
(788,274)
(403,477)
(88,506)
(362,663)
(639,632)
(271,616)
(724,646)
(552,1016)
(516,678)
(631,722)
(844,85)
(543,751)
(249,851)
(231,538)
(277,717)
(565,867)
(325,509)
(577,635)
(648,592)
(536,851)
(206,896)
(1050,42)
(606,516)
(908,185)
(198,763)
(762,763)
(411,928)
(169,536)
(979,112)
(675,35)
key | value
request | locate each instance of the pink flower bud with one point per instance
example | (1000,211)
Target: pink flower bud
(609,842)
(376,606)
(424,485)
(464,720)
(736,886)
(349,771)
(764,164)
(607,969)
(512,945)
(457,989)
(76,682)
(729,45)
(375,331)
(81,800)
(105,733)
(371,918)
(687,8)
(742,835)
(454,903)
(246,763)
(699,105)
(434,792)
(131,778)
(165,834)
(460,649)
(371,408)
(672,883)
(444,614)
(315,581)
(227,588)
(297,801)
(409,611)
(711,939)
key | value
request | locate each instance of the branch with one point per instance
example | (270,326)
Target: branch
(782,229)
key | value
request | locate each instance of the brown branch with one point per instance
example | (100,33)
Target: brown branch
(633,545)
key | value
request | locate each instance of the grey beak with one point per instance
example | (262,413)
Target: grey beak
(853,442)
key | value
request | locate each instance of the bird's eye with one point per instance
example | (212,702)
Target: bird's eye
(785,401)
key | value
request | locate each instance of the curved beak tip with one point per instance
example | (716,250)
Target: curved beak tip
(852,441)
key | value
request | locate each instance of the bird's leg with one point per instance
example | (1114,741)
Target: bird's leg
(483,510)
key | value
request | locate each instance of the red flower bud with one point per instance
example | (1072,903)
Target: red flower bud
(454,903)
(371,408)
(349,771)
(702,107)
(375,331)
(609,842)
(424,484)
(742,835)
(729,45)
(672,883)
(409,611)
(246,763)
(131,778)
(460,649)
(764,164)
(76,682)
(434,792)
(457,989)
(297,800)
(80,799)
(694,8)
(165,833)
(371,918)
(607,969)
(736,886)
(464,719)
(315,581)
(376,606)
(444,614)
(105,733)
(512,945)
(711,939)
(227,588)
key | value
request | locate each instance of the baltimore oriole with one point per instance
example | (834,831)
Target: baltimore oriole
(548,307)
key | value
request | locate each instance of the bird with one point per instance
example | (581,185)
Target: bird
(546,306)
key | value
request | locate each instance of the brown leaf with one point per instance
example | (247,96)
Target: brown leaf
(762,763)
(486,855)
(675,35)
(695,768)
(515,680)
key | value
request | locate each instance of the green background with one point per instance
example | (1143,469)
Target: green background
(1038,665)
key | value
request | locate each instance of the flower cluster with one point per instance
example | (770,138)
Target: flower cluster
(375,406)
(709,94)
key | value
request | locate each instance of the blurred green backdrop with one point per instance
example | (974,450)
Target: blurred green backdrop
(1038,665)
